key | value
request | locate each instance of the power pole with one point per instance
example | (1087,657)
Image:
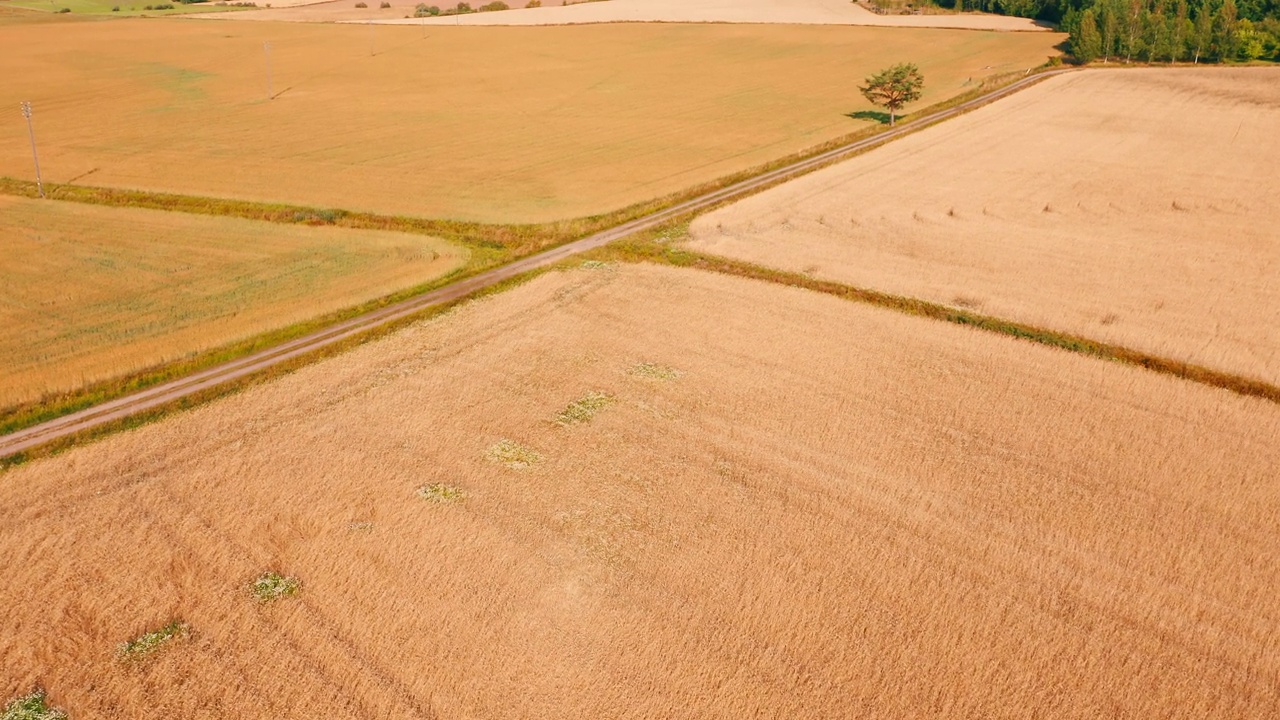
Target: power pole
(266,49)
(26,113)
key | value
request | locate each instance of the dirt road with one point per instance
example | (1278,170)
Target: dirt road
(175,390)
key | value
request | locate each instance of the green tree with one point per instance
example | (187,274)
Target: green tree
(1202,33)
(1226,31)
(1086,43)
(1135,16)
(1251,42)
(894,87)
(1109,27)
(1156,34)
(1179,30)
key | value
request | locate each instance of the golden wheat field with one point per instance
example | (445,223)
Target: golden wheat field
(637,491)
(494,124)
(88,293)
(1138,207)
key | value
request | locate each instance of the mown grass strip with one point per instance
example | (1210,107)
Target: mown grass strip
(649,250)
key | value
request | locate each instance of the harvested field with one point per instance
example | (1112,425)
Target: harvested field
(1133,207)
(89,293)
(807,12)
(494,124)
(791,506)
(343,11)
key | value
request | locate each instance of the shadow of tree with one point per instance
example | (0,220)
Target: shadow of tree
(876,115)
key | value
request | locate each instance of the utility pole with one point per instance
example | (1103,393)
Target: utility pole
(26,113)
(266,49)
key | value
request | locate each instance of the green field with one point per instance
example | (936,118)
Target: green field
(119,8)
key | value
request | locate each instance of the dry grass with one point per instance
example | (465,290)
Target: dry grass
(494,124)
(1137,208)
(91,293)
(834,509)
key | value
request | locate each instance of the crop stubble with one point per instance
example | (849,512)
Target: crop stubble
(490,124)
(828,509)
(816,12)
(1136,207)
(90,293)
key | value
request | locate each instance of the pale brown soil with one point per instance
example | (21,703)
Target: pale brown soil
(491,124)
(89,293)
(832,511)
(803,12)
(1136,207)
(339,10)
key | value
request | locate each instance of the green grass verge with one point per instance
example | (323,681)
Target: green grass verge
(657,247)
(230,388)
(491,245)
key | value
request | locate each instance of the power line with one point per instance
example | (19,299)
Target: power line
(26,113)
(266,50)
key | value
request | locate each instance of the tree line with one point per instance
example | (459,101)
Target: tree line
(1155,30)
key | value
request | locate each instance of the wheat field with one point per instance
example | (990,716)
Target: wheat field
(638,491)
(1137,207)
(492,124)
(89,293)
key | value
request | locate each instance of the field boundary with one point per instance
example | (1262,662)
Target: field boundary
(666,254)
(19,444)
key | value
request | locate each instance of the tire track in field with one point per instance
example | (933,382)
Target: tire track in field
(173,391)
(330,641)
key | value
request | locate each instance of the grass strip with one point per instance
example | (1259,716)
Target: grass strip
(515,238)
(491,244)
(232,387)
(647,249)
(49,407)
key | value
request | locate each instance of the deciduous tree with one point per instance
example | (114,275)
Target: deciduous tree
(894,87)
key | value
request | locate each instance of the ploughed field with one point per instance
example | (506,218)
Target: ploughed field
(89,293)
(656,492)
(493,124)
(1137,207)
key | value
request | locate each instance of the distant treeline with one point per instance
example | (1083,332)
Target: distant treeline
(1155,30)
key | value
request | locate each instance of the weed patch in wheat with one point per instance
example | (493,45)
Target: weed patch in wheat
(272,586)
(34,706)
(441,493)
(584,409)
(149,642)
(654,371)
(513,455)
